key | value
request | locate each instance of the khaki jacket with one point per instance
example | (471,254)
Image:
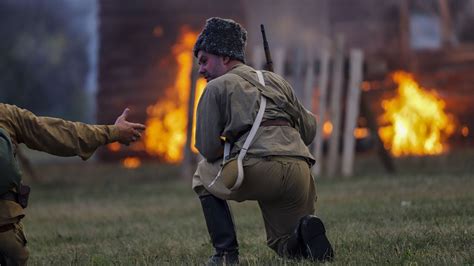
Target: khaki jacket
(229,105)
(51,135)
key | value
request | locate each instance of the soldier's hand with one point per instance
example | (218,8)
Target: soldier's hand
(128,132)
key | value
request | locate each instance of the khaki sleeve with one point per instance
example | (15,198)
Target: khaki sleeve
(209,125)
(60,137)
(306,123)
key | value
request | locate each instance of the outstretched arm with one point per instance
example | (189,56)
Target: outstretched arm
(64,138)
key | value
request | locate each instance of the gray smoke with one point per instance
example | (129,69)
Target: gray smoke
(48,56)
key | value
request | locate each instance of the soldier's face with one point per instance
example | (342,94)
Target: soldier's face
(211,66)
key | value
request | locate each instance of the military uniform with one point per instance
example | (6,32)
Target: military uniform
(277,165)
(51,135)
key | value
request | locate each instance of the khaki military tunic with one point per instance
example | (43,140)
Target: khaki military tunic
(51,135)
(277,165)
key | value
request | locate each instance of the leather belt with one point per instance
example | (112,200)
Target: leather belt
(275,122)
(6,227)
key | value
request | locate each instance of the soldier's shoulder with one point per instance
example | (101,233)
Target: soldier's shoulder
(223,81)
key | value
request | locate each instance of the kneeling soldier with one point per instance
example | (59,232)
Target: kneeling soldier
(253,120)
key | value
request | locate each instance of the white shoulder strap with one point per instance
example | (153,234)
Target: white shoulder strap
(251,136)
(248,140)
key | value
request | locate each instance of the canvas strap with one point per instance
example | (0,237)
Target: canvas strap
(248,140)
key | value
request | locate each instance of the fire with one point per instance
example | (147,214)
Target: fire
(359,132)
(167,119)
(465,131)
(131,162)
(114,146)
(417,123)
(200,85)
(327,129)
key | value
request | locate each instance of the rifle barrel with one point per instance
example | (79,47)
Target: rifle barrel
(268,56)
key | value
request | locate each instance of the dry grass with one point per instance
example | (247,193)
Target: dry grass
(102,214)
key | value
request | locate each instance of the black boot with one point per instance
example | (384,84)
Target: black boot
(293,248)
(221,229)
(313,236)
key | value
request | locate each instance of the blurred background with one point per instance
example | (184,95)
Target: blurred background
(391,82)
(88,60)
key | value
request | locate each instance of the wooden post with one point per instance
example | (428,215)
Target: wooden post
(352,111)
(335,106)
(309,83)
(279,61)
(404,11)
(258,57)
(189,161)
(323,88)
(447,34)
(308,86)
(295,78)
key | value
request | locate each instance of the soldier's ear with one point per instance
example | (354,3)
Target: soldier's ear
(225,60)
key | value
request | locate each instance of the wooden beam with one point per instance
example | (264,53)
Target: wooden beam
(309,82)
(405,57)
(258,57)
(447,34)
(323,90)
(279,61)
(335,106)
(352,111)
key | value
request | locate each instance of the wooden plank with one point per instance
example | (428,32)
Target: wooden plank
(335,106)
(258,57)
(404,12)
(447,34)
(308,87)
(279,61)
(297,76)
(352,111)
(323,89)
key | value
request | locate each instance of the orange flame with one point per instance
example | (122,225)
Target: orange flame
(465,131)
(114,146)
(131,162)
(327,129)
(417,122)
(200,85)
(167,119)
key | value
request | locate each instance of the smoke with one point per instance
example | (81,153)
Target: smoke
(48,56)
(85,22)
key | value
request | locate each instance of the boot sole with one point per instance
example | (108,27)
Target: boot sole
(314,237)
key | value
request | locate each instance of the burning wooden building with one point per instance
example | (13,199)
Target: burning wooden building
(146,61)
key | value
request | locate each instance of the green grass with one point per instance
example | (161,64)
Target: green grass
(101,214)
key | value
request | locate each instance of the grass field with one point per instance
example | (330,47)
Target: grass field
(101,214)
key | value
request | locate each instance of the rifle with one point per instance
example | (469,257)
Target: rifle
(269,64)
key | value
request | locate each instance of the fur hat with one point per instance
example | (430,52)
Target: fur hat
(223,37)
